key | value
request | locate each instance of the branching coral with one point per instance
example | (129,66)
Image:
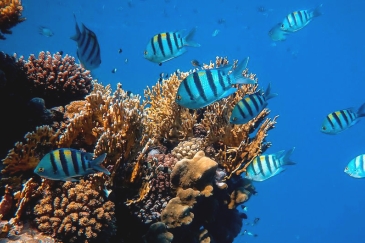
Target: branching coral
(10,15)
(164,117)
(58,80)
(75,213)
(24,157)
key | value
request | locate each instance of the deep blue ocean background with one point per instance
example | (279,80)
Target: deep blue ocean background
(316,71)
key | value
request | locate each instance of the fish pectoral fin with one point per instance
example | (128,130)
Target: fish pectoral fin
(227,93)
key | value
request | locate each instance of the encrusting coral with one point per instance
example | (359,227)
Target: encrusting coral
(10,15)
(174,170)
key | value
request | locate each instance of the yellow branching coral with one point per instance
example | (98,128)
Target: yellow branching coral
(164,117)
(10,15)
(25,156)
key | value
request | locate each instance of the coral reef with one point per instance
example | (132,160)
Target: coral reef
(173,170)
(35,89)
(10,15)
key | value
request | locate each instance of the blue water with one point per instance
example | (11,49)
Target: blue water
(315,71)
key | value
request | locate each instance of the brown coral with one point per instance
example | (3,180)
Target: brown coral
(75,213)
(10,15)
(58,80)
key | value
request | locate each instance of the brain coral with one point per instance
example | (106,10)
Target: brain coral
(75,213)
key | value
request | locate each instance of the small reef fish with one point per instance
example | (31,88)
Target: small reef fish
(250,106)
(45,31)
(195,63)
(338,121)
(356,167)
(246,232)
(168,45)
(204,87)
(88,49)
(215,32)
(266,166)
(67,164)
(120,50)
(114,70)
(293,22)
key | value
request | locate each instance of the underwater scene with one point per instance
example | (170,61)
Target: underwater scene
(169,121)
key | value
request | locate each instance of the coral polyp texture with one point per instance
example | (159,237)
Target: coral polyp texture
(10,15)
(176,174)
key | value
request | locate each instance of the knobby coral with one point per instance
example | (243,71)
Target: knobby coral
(10,15)
(56,79)
(75,213)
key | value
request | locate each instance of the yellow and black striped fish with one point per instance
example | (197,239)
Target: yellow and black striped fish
(265,166)
(299,19)
(88,49)
(250,106)
(67,164)
(338,121)
(168,45)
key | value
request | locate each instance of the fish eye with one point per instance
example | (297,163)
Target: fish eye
(178,97)
(40,169)
(282,25)
(324,128)
(145,52)
(234,119)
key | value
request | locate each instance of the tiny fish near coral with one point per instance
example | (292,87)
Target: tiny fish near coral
(67,164)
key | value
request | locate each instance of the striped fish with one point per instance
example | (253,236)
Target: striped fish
(299,19)
(356,167)
(168,45)
(88,50)
(204,87)
(67,164)
(265,166)
(250,106)
(338,121)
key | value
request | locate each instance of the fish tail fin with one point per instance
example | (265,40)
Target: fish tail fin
(268,95)
(361,111)
(188,39)
(78,32)
(95,164)
(317,11)
(237,73)
(285,157)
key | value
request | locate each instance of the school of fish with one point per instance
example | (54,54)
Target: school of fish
(198,90)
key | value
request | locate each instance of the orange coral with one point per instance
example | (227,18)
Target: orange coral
(10,15)
(25,156)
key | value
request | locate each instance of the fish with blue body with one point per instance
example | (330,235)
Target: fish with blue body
(250,106)
(266,166)
(88,49)
(68,164)
(293,22)
(45,31)
(202,88)
(168,45)
(356,167)
(339,121)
